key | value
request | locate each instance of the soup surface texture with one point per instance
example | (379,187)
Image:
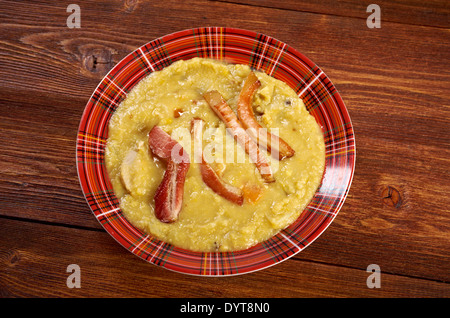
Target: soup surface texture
(171,98)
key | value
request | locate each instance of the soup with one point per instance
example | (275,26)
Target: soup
(251,206)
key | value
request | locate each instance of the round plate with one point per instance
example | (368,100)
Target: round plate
(233,45)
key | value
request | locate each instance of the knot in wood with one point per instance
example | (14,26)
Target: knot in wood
(130,5)
(391,197)
(98,60)
(13,257)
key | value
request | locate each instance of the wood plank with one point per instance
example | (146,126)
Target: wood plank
(33,262)
(38,176)
(418,53)
(427,13)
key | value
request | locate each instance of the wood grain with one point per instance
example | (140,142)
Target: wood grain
(34,262)
(428,13)
(395,83)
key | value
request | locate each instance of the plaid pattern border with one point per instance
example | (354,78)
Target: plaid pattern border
(263,53)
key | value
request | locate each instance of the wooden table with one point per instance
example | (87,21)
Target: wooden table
(394,81)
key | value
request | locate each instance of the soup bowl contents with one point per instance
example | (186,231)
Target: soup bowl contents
(212,156)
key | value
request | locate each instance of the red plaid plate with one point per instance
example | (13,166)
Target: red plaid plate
(263,53)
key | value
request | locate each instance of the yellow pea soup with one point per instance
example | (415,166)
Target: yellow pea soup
(171,98)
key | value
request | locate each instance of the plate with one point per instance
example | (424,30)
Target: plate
(261,52)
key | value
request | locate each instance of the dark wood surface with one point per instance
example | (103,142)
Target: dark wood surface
(394,80)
